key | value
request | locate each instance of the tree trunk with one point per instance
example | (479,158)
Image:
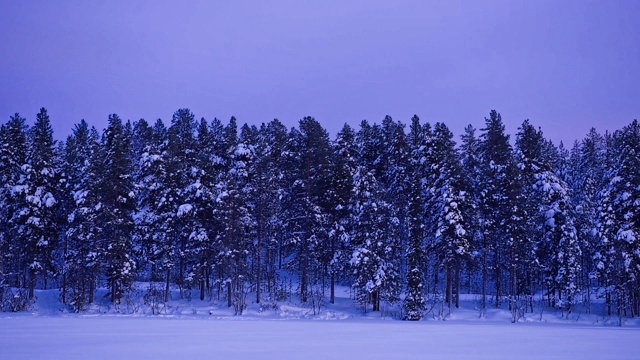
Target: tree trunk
(498,275)
(64,274)
(449,287)
(167,285)
(92,288)
(375,300)
(203,275)
(458,284)
(333,288)
(259,271)
(483,301)
(303,279)
(514,291)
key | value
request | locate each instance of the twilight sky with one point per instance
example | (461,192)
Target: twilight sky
(566,65)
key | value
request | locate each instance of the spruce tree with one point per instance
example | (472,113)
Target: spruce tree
(307,221)
(84,253)
(118,204)
(344,166)
(38,210)
(414,303)
(368,241)
(451,243)
(13,156)
(495,181)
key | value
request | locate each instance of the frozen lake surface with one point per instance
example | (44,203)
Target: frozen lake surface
(112,337)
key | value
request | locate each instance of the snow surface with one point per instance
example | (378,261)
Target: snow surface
(26,337)
(288,330)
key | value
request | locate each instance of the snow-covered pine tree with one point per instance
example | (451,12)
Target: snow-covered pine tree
(372,272)
(393,164)
(470,159)
(606,224)
(344,166)
(559,239)
(623,231)
(495,183)
(307,220)
(414,303)
(587,175)
(199,194)
(450,243)
(269,180)
(37,214)
(157,203)
(369,149)
(525,262)
(118,204)
(13,156)
(141,136)
(83,256)
(260,183)
(183,174)
(236,211)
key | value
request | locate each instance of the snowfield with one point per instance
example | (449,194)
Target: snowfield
(110,337)
(208,330)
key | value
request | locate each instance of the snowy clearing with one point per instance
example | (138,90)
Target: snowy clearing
(78,337)
(208,329)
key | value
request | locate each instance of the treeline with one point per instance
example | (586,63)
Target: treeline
(404,216)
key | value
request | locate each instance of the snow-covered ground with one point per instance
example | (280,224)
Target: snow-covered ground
(26,337)
(209,330)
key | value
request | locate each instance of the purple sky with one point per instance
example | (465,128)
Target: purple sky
(566,65)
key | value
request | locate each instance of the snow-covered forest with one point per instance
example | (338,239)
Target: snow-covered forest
(404,215)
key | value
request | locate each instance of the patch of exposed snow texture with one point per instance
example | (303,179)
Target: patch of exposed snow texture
(184,209)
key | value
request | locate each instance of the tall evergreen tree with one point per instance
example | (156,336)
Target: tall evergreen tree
(118,204)
(618,259)
(13,156)
(307,220)
(37,215)
(414,303)
(84,253)
(451,243)
(235,209)
(344,166)
(157,203)
(495,180)
(374,271)
(588,172)
(269,186)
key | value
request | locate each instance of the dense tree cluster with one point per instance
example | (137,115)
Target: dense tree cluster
(408,218)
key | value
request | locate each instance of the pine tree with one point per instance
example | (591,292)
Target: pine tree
(13,156)
(619,255)
(38,211)
(307,223)
(525,261)
(414,303)
(371,270)
(559,239)
(450,244)
(118,204)
(235,209)
(270,185)
(83,256)
(588,172)
(157,204)
(495,181)
(201,195)
(183,174)
(344,166)
(471,171)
